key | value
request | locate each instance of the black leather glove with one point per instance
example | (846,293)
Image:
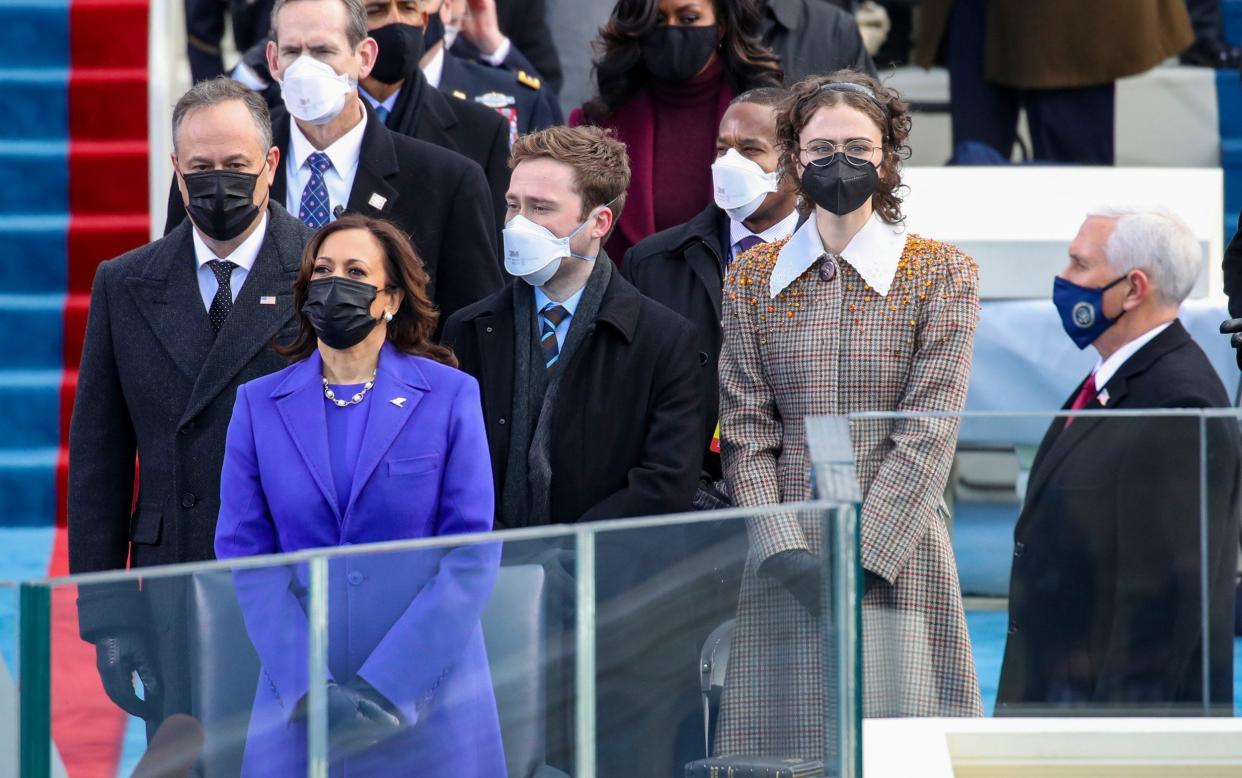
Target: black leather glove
(358,718)
(121,655)
(799,571)
(1234,327)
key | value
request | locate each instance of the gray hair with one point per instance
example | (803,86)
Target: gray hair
(221,89)
(355,27)
(1156,241)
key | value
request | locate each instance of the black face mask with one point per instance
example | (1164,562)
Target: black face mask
(221,202)
(839,187)
(400,48)
(433,33)
(678,53)
(340,310)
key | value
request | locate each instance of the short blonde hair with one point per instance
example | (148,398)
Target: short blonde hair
(600,163)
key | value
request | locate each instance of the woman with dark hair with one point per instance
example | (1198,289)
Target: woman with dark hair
(370,435)
(850,314)
(665,74)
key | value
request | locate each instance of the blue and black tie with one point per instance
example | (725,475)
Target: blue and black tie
(315,207)
(553,315)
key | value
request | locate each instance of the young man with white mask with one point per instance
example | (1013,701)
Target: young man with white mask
(569,347)
(338,155)
(683,267)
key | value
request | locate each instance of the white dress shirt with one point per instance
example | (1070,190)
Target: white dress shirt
(874,252)
(782,229)
(433,71)
(1105,369)
(339,179)
(571,305)
(243,256)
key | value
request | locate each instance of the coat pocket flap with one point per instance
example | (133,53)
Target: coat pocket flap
(414,465)
(146,523)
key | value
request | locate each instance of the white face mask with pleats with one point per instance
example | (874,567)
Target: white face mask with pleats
(313,91)
(740,185)
(533,253)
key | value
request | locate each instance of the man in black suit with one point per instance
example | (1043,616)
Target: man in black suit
(590,396)
(339,157)
(1106,613)
(174,327)
(683,267)
(401,97)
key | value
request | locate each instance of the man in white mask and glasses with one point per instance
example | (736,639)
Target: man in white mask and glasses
(337,155)
(682,267)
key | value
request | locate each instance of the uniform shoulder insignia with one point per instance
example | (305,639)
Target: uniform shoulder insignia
(527,80)
(460,95)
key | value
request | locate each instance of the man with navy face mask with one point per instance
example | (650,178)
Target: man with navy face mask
(1104,596)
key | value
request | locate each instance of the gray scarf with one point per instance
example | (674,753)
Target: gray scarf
(526,495)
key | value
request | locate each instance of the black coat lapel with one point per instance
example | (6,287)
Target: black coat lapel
(167,295)
(706,255)
(262,307)
(280,139)
(374,193)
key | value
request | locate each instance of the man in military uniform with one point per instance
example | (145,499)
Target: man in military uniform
(511,34)
(518,95)
(204,30)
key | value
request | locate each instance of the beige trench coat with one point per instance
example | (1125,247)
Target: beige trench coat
(833,347)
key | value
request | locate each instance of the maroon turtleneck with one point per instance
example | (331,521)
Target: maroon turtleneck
(684,144)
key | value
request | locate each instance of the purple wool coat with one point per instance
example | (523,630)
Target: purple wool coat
(408,622)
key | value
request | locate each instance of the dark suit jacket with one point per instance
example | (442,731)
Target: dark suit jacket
(537,108)
(626,437)
(438,197)
(1104,596)
(526,24)
(682,269)
(154,383)
(476,132)
(1233,273)
(813,37)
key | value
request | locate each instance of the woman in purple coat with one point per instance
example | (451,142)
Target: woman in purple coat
(370,435)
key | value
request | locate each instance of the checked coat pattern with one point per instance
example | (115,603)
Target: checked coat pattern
(828,344)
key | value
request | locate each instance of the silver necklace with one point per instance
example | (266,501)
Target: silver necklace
(357,398)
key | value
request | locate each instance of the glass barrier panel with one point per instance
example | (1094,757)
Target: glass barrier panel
(10,702)
(1220,519)
(161,673)
(1048,564)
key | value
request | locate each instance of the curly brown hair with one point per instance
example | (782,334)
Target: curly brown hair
(806,97)
(414,323)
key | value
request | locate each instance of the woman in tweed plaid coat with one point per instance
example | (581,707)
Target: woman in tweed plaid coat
(850,314)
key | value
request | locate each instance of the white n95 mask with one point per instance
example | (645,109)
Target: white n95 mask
(739,185)
(313,91)
(533,253)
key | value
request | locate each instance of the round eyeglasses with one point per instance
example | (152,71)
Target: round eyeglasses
(821,152)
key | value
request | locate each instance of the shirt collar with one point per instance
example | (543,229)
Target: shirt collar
(571,304)
(343,153)
(243,256)
(387,103)
(874,252)
(434,71)
(782,229)
(1105,369)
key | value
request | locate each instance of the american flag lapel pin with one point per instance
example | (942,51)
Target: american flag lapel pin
(1103,397)
(377,201)
(267,299)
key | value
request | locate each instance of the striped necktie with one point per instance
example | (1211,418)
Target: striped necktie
(553,315)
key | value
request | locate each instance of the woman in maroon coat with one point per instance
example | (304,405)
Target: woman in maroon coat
(666,73)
